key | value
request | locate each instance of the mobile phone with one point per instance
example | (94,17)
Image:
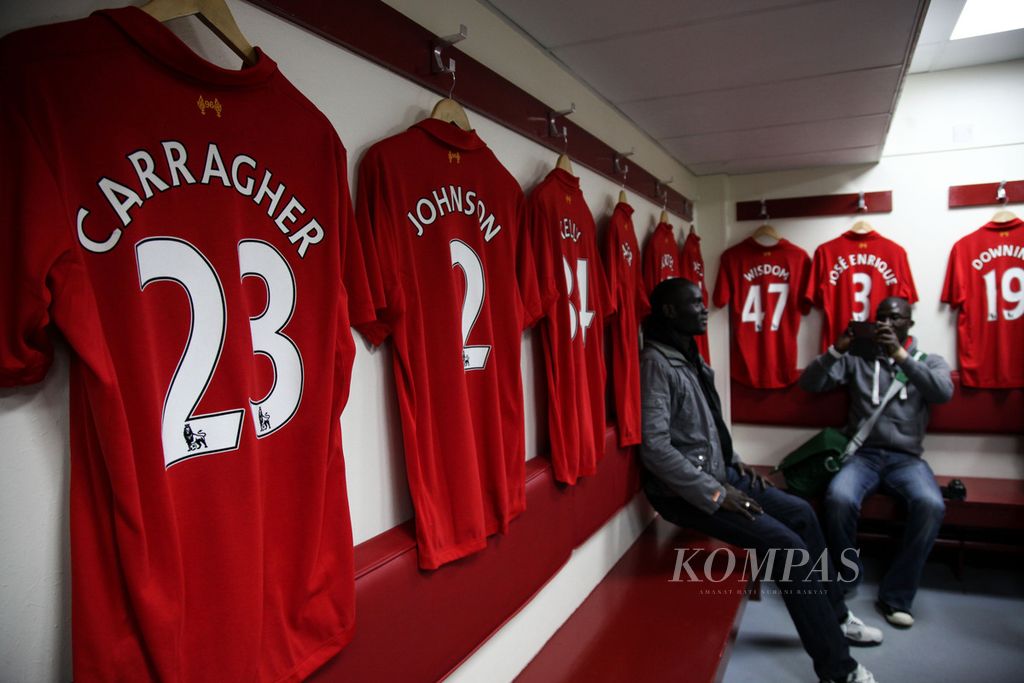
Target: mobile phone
(864,344)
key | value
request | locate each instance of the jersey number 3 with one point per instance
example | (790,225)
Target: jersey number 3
(185,434)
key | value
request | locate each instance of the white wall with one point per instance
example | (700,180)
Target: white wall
(365,103)
(955,127)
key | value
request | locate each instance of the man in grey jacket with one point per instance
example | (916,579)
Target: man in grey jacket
(694,479)
(890,457)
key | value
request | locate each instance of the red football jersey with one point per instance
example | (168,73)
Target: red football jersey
(851,275)
(660,257)
(445,222)
(626,288)
(763,287)
(691,266)
(985,280)
(188,230)
(576,299)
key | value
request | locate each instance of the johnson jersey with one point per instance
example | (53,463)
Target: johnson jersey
(445,222)
(985,280)
(851,275)
(691,266)
(626,288)
(763,287)
(576,301)
(661,257)
(188,230)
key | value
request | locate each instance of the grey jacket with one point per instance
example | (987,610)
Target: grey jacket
(681,450)
(901,426)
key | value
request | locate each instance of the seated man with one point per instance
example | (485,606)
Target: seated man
(890,457)
(693,479)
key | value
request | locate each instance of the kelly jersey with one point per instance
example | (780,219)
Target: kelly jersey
(442,224)
(188,230)
(763,287)
(660,257)
(626,289)
(576,304)
(851,275)
(691,266)
(985,280)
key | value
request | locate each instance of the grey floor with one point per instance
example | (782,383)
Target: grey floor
(969,631)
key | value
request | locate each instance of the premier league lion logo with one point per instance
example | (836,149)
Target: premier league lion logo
(195,440)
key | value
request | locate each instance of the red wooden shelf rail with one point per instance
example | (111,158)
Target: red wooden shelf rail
(820,205)
(985,194)
(385,36)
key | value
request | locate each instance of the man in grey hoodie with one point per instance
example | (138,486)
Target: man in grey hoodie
(890,457)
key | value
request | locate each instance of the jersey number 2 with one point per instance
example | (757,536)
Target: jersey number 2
(183,433)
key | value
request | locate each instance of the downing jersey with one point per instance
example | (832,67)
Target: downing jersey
(626,289)
(576,304)
(660,257)
(188,230)
(444,221)
(851,275)
(691,266)
(763,287)
(985,280)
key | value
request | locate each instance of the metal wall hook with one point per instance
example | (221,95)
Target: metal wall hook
(552,117)
(764,210)
(620,168)
(565,140)
(1001,193)
(862,204)
(437,66)
(661,190)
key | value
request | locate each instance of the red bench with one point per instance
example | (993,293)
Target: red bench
(640,625)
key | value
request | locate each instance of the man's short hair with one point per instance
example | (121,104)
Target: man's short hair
(664,292)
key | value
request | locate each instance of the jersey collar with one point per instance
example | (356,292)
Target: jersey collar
(1008,225)
(160,43)
(450,134)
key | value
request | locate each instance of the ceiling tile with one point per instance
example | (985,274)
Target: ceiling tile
(813,99)
(864,155)
(780,141)
(793,42)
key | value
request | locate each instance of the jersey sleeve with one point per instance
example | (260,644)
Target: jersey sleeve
(907,288)
(373,228)
(526,268)
(543,255)
(802,279)
(609,253)
(952,288)
(723,286)
(649,265)
(36,238)
(354,264)
(813,292)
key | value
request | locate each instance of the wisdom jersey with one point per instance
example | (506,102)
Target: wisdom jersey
(456,286)
(691,267)
(661,257)
(188,230)
(851,275)
(763,287)
(576,303)
(626,288)
(985,280)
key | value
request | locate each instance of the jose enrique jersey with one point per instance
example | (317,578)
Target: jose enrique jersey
(626,289)
(851,275)
(188,230)
(660,257)
(691,266)
(985,280)
(576,304)
(763,287)
(456,286)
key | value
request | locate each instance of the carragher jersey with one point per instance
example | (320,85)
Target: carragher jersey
(188,230)
(985,280)
(691,266)
(661,257)
(456,287)
(851,275)
(576,301)
(626,288)
(763,287)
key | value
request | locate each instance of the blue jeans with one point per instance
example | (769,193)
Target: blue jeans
(906,477)
(816,608)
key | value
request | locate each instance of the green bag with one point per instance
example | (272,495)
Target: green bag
(810,468)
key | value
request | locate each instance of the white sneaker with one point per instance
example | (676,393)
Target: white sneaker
(859,633)
(858,675)
(897,617)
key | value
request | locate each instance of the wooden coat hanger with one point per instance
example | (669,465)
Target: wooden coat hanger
(564,162)
(1003,216)
(862,228)
(693,229)
(766,231)
(214,13)
(622,197)
(664,216)
(450,111)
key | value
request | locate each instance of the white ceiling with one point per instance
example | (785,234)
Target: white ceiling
(746,86)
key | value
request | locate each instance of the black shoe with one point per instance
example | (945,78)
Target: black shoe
(900,618)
